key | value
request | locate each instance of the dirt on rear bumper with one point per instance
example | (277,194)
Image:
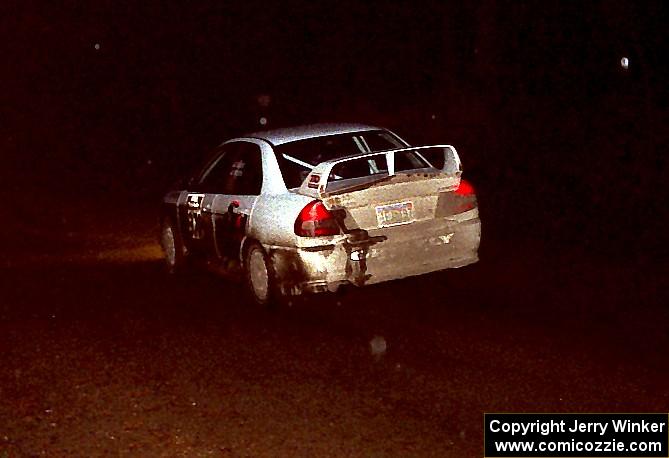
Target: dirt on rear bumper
(376,257)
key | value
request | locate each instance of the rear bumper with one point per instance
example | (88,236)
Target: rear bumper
(410,250)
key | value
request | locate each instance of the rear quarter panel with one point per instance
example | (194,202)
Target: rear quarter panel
(272,220)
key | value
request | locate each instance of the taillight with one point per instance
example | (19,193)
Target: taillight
(467,198)
(465,188)
(315,220)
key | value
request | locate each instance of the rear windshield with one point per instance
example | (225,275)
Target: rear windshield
(296,159)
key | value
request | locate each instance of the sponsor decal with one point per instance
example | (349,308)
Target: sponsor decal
(314,179)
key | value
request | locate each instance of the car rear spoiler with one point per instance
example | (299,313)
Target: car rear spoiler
(441,157)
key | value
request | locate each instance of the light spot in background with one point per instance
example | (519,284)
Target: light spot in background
(97,46)
(378,346)
(625,63)
(263,121)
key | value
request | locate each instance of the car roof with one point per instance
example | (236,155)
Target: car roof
(291,134)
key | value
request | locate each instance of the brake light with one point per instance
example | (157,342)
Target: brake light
(315,220)
(465,188)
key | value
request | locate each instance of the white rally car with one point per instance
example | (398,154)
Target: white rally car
(312,208)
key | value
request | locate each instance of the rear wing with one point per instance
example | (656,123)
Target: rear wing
(367,169)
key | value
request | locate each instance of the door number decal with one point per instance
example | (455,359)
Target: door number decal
(194,215)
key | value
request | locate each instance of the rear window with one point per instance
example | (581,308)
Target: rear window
(376,165)
(296,159)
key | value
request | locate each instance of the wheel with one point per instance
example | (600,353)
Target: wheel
(175,259)
(260,278)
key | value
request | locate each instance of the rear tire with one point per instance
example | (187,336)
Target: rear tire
(175,258)
(260,278)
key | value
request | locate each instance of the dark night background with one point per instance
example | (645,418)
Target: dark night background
(105,104)
(551,128)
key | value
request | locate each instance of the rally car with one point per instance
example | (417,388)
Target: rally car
(313,208)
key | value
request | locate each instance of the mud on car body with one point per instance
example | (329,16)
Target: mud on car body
(312,208)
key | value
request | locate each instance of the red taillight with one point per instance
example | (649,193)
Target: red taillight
(315,220)
(465,188)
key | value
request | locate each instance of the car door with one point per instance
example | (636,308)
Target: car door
(195,207)
(239,187)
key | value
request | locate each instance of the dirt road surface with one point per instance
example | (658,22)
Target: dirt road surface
(103,354)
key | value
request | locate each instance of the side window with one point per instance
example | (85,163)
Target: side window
(213,178)
(238,170)
(248,170)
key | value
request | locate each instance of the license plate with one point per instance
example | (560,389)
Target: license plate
(394,214)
